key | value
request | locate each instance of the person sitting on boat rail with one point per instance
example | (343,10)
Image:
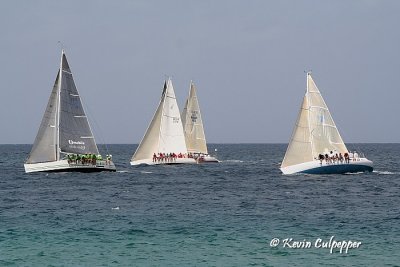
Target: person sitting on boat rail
(70,158)
(331,157)
(94,159)
(346,157)
(355,156)
(351,156)
(108,159)
(340,157)
(321,158)
(326,158)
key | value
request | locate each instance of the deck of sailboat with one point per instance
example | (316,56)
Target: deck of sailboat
(316,167)
(171,162)
(64,166)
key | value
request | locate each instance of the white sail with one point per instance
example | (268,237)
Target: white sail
(193,124)
(315,131)
(165,132)
(64,127)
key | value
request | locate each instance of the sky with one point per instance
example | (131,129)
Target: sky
(247,59)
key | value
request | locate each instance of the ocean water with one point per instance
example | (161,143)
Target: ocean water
(199,215)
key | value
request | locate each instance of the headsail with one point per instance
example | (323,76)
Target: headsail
(165,132)
(299,148)
(193,124)
(315,131)
(149,144)
(44,147)
(64,126)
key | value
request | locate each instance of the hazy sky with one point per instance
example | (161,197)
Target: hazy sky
(247,59)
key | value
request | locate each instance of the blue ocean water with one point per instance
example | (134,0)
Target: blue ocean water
(199,215)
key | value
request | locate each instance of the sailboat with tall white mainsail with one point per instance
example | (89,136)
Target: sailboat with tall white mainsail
(193,128)
(164,140)
(316,146)
(65,141)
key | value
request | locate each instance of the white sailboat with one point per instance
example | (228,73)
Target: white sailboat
(164,140)
(194,130)
(316,146)
(65,141)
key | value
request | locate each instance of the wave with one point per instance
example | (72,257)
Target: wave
(146,172)
(354,173)
(234,160)
(385,172)
(116,208)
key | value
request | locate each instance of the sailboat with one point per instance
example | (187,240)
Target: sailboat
(194,130)
(65,141)
(164,140)
(316,146)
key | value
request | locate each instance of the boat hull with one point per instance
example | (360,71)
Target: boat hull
(151,162)
(64,166)
(315,167)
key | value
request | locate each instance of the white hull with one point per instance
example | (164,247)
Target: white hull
(151,162)
(315,167)
(64,166)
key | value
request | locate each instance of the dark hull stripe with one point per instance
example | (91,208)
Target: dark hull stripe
(339,169)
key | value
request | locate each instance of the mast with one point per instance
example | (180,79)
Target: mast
(309,113)
(164,95)
(57,144)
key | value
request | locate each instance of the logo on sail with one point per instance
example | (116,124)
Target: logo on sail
(76,144)
(194,116)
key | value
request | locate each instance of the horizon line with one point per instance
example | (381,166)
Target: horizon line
(228,143)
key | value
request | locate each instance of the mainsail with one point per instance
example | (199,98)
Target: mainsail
(64,127)
(193,124)
(315,131)
(165,132)
(75,134)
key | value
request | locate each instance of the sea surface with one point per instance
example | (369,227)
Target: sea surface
(222,214)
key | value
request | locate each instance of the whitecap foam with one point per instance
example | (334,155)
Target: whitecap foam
(116,208)
(385,172)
